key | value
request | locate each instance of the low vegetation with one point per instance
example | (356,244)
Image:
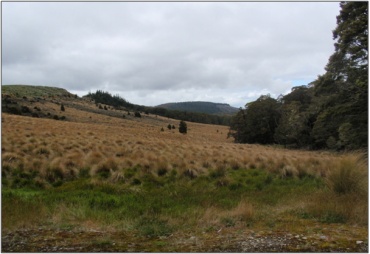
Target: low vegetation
(142,181)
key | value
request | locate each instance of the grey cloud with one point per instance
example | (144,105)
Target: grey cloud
(150,52)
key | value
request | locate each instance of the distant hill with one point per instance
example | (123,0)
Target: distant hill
(27,90)
(201,107)
(46,102)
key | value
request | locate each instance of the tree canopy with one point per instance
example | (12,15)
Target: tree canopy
(332,111)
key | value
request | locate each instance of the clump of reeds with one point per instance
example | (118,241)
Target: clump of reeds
(348,175)
(345,198)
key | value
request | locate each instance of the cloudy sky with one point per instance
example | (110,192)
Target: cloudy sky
(156,52)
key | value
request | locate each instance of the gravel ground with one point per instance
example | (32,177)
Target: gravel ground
(47,240)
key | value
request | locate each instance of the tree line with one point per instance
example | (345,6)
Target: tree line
(330,112)
(120,103)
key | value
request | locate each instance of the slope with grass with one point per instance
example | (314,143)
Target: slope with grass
(120,183)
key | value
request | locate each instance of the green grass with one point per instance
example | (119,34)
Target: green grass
(156,207)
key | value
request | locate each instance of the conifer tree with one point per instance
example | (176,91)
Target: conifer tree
(183,127)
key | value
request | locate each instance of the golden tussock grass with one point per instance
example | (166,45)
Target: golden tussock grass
(244,212)
(126,143)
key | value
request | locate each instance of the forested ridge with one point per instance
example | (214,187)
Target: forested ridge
(120,103)
(201,107)
(330,112)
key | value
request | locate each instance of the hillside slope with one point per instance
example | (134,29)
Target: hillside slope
(47,102)
(201,107)
(26,90)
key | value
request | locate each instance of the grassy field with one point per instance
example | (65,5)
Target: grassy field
(98,172)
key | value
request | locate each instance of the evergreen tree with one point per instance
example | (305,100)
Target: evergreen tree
(137,114)
(342,92)
(332,111)
(183,127)
(257,123)
(62,107)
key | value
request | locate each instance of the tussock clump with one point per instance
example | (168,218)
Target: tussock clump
(328,207)
(93,158)
(102,170)
(348,175)
(234,164)
(117,177)
(111,163)
(36,164)
(190,173)
(289,171)
(346,197)
(243,211)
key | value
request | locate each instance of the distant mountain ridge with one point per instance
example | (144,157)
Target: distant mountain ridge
(201,107)
(18,99)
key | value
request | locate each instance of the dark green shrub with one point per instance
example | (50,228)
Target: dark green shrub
(84,173)
(103,171)
(55,117)
(162,171)
(25,109)
(136,181)
(137,114)
(183,127)
(62,107)
(14,110)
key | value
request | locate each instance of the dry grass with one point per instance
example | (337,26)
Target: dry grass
(346,193)
(43,144)
(120,150)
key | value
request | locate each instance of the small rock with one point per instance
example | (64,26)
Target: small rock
(322,237)
(359,242)
(304,238)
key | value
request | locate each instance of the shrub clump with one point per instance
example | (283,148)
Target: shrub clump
(349,175)
(137,114)
(183,127)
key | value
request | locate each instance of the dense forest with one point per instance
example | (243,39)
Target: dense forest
(119,103)
(330,112)
(201,107)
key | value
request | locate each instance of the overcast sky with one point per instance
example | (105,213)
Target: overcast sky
(156,52)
